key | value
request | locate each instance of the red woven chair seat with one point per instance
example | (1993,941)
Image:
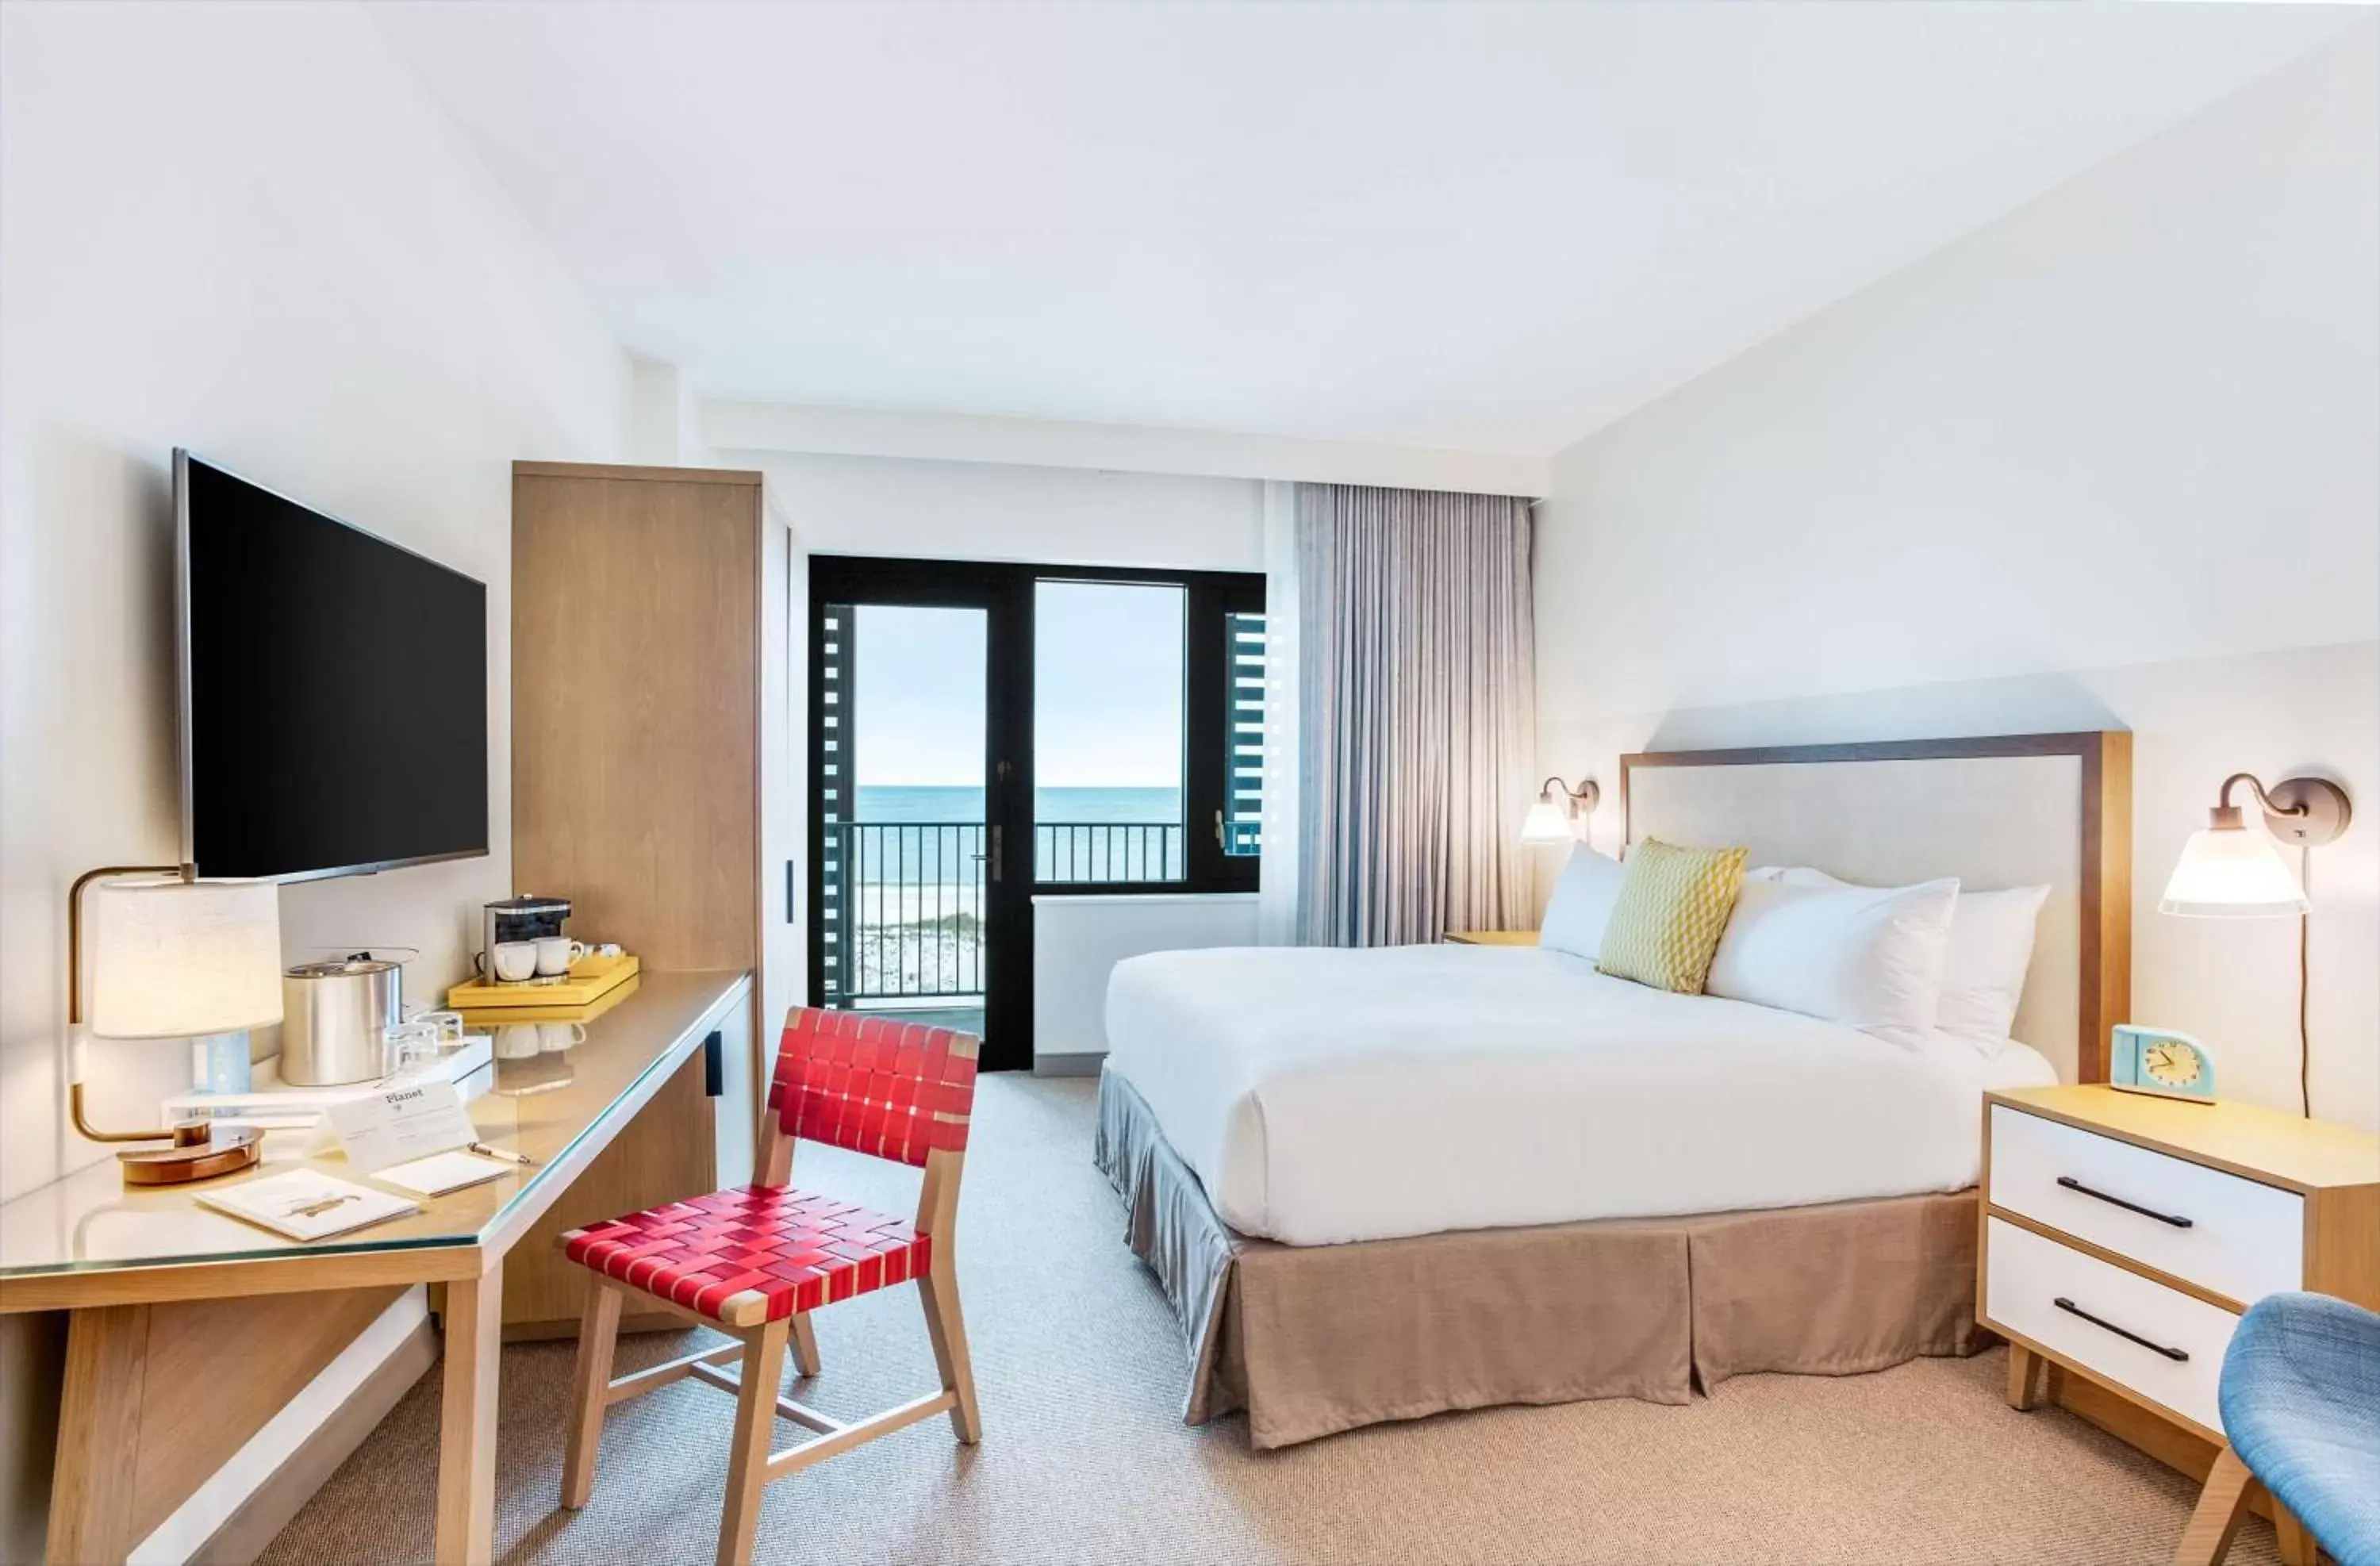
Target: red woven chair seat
(797,1249)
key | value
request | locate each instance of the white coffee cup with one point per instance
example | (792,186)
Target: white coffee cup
(557,1035)
(518,1040)
(554,953)
(516,960)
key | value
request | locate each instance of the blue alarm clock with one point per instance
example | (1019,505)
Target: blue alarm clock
(2159,1060)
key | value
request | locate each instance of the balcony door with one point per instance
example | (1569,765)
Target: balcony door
(982,734)
(920,899)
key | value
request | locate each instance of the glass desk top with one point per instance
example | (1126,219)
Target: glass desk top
(543,1105)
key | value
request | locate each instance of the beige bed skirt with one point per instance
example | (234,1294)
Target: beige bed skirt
(1311,1339)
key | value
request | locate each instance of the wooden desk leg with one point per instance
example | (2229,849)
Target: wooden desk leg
(467,1420)
(99,1423)
(2024,1377)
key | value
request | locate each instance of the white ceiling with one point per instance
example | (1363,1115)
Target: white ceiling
(1493,227)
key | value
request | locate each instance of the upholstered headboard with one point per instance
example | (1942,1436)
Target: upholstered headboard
(2014,810)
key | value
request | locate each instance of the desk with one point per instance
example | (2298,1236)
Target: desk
(113,1255)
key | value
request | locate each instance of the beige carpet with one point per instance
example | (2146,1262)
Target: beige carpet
(1085,1457)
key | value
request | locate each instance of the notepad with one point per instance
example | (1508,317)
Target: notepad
(442,1173)
(307,1205)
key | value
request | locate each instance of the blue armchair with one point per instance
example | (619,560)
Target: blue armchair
(2301,1399)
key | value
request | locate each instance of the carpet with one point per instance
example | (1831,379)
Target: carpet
(1081,1373)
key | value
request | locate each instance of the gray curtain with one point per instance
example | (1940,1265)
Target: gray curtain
(1417,713)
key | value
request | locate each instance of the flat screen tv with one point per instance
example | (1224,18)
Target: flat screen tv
(335,690)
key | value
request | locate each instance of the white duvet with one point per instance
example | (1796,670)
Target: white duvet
(1329,1096)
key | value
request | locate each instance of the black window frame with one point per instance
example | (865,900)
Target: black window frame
(1209,598)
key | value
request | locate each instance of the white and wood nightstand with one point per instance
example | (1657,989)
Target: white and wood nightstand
(1492,937)
(2123,1235)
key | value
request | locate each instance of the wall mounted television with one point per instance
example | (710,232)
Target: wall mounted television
(333,690)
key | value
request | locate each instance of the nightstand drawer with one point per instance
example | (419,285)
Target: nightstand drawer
(2118,1324)
(2237,1237)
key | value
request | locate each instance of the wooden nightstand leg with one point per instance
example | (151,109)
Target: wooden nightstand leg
(2026,1372)
(2206,1537)
(2297,1546)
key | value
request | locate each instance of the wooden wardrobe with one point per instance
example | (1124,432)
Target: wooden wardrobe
(653,780)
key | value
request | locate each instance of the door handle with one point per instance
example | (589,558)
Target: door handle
(996,837)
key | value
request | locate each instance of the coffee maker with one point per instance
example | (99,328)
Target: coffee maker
(525,918)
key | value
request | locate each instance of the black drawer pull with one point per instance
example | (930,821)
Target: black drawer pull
(2071,1309)
(2070,1182)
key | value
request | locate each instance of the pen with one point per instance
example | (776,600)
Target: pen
(483,1148)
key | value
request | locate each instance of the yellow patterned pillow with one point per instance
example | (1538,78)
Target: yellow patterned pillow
(1671,912)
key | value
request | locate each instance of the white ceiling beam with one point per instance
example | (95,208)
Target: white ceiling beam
(1120,448)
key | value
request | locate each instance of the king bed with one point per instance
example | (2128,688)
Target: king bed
(1384,1183)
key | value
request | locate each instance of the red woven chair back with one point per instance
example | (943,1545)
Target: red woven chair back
(890,1089)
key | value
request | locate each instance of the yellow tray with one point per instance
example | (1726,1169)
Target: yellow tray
(579,989)
(480,1019)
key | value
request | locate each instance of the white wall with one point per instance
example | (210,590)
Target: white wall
(246,230)
(2112,461)
(1078,941)
(998,511)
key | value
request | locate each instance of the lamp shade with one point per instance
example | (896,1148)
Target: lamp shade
(2231,872)
(1545,822)
(180,959)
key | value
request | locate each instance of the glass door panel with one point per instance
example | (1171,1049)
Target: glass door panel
(909,848)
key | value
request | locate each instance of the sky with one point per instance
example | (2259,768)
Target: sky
(1107,690)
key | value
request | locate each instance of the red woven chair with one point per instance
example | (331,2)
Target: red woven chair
(756,1260)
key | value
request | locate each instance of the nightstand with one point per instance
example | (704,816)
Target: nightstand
(2123,1235)
(1492,937)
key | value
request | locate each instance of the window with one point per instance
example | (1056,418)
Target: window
(1109,803)
(1148,731)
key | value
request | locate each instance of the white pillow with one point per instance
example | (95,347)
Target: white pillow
(1864,957)
(1581,904)
(1983,972)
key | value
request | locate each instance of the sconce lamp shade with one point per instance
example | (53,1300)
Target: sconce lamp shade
(1545,822)
(2231,872)
(183,959)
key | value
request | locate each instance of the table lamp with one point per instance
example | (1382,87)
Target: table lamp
(2228,871)
(172,959)
(1549,822)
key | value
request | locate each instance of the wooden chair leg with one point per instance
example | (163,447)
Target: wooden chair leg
(756,1427)
(938,1291)
(2297,1546)
(591,1380)
(2024,1377)
(806,1355)
(2206,1537)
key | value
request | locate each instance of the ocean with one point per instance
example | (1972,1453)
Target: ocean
(877,803)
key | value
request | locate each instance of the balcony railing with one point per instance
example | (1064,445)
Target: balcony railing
(904,910)
(1073,853)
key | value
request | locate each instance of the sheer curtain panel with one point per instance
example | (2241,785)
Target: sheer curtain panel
(1417,713)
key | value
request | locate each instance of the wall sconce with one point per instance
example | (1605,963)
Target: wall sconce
(2228,871)
(1552,818)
